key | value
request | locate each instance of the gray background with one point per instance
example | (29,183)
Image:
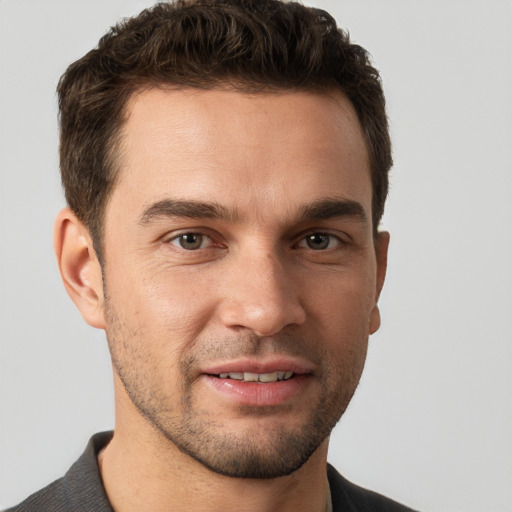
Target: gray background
(431,422)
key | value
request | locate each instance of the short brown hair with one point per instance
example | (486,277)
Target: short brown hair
(252,45)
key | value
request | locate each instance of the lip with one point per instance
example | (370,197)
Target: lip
(259,394)
(276,364)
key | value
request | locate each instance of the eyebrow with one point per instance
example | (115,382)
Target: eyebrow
(322,209)
(331,208)
(186,209)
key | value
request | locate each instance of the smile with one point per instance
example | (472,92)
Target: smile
(257,377)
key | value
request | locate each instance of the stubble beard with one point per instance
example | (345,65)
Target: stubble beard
(260,453)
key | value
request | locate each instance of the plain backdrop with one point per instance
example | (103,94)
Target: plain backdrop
(431,422)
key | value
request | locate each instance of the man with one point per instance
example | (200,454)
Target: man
(225,165)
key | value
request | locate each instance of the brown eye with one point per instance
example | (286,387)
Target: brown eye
(190,241)
(319,241)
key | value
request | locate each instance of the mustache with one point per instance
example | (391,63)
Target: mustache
(252,345)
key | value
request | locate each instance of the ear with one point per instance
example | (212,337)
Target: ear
(381,254)
(79,267)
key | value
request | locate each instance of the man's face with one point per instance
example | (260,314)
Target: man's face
(239,248)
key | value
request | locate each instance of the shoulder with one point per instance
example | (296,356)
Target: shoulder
(51,497)
(80,490)
(347,496)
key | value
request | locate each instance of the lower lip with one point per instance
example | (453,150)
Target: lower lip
(258,393)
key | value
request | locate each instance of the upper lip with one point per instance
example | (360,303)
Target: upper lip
(276,364)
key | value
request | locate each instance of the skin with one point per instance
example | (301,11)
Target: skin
(279,267)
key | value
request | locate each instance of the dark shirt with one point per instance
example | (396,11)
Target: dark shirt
(81,490)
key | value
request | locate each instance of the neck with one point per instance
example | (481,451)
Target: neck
(142,470)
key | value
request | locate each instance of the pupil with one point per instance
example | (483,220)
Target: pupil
(190,241)
(318,241)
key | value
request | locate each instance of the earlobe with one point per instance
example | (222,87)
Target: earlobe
(381,253)
(79,267)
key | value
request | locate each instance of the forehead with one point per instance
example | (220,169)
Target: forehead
(252,151)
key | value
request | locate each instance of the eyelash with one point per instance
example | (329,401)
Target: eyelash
(179,237)
(302,243)
(316,234)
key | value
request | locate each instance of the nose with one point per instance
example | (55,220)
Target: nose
(261,296)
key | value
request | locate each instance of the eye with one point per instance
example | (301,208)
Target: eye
(319,241)
(191,241)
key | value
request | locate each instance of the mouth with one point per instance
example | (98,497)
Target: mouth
(265,378)
(273,369)
(268,382)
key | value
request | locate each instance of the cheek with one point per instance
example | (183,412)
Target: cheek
(342,304)
(168,307)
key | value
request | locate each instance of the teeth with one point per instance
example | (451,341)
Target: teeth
(268,377)
(257,377)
